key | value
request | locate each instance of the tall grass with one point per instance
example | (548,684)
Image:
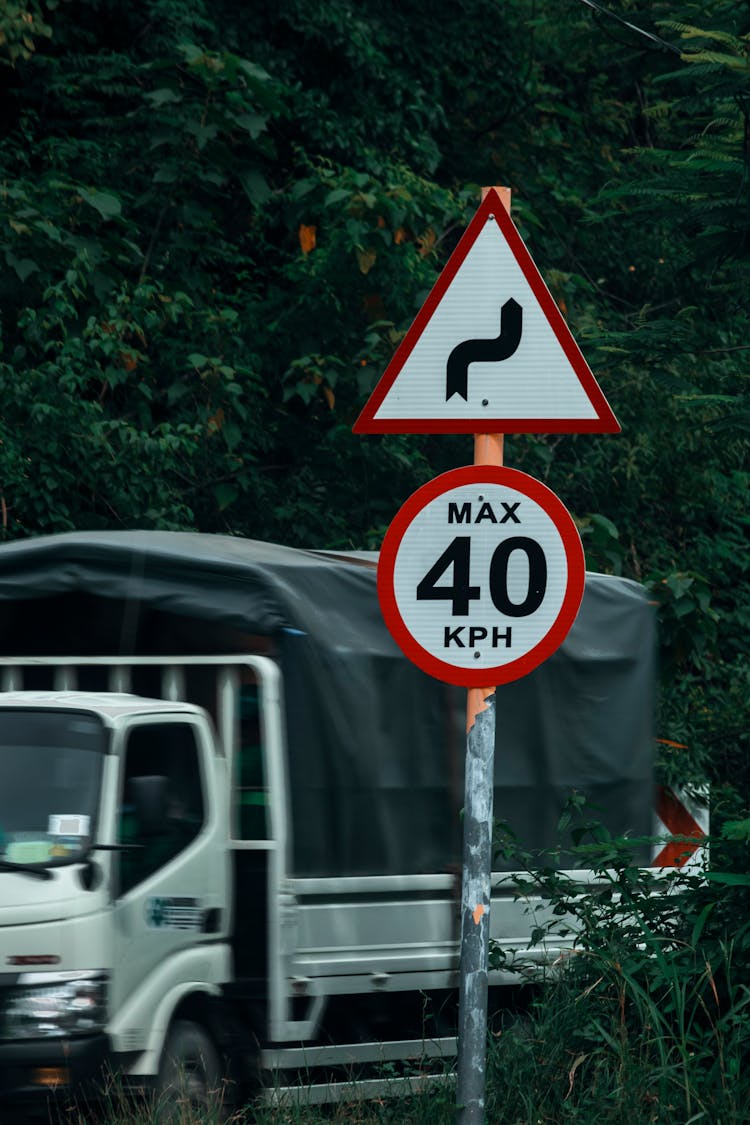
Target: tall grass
(647,1020)
(603,1047)
(435,1108)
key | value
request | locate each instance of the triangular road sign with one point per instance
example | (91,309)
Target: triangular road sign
(489,351)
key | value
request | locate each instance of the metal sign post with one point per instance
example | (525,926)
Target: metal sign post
(479,800)
(475,916)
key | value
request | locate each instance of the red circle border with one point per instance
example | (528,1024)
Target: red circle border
(513,670)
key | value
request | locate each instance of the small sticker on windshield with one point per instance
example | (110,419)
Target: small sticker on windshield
(68,824)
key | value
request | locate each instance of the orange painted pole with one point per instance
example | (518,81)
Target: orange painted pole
(477,862)
(488,450)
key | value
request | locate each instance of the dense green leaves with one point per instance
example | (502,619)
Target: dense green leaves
(216,224)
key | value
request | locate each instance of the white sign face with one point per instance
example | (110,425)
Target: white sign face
(481,575)
(489,350)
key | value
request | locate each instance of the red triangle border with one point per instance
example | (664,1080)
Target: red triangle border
(605,422)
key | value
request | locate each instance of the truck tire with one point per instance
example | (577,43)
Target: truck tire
(190,1069)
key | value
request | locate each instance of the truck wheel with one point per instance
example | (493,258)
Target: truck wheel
(190,1069)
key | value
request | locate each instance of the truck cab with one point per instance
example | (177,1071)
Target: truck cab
(114,880)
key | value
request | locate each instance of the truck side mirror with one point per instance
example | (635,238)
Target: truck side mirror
(149,797)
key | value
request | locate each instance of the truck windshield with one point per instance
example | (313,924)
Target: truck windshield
(50,771)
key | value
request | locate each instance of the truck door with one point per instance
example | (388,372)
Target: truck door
(171,885)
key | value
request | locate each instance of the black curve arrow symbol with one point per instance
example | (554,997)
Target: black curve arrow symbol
(484,351)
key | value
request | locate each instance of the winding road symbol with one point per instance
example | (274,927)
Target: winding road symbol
(484,351)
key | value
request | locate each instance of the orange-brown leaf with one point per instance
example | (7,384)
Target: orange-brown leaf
(307,237)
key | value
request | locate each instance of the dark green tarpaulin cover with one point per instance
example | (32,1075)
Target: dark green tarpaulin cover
(375,746)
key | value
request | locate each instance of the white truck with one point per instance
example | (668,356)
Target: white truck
(230,812)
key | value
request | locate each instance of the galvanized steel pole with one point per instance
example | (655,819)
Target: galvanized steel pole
(475,917)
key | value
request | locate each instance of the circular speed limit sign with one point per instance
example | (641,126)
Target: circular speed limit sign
(481,575)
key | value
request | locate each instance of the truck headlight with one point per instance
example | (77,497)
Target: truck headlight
(47,1005)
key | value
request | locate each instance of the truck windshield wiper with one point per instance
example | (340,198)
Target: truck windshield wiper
(26,868)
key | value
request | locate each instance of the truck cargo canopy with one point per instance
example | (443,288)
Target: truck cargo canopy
(376,747)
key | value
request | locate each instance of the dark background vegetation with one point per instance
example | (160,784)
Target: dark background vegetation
(217,220)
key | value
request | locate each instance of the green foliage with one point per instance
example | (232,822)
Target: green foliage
(646,1021)
(216,225)
(651,265)
(21,24)
(121,342)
